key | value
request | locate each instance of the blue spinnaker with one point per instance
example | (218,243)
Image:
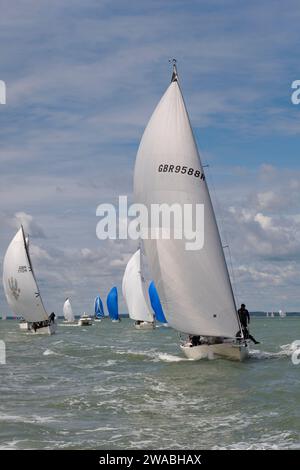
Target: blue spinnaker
(99,311)
(155,304)
(112,304)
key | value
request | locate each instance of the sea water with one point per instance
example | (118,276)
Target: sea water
(109,386)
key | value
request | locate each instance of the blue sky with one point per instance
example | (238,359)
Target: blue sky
(82,81)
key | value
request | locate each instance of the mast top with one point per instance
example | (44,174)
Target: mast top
(174,74)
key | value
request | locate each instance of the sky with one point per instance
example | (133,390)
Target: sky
(82,81)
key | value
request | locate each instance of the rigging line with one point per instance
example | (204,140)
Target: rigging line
(224,235)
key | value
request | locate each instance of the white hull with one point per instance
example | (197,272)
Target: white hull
(228,350)
(145,325)
(98,320)
(70,322)
(45,330)
(84,322)
(116,321)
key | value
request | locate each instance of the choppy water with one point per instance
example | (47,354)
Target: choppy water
(109,386)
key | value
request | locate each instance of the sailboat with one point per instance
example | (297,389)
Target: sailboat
(272,315)
(156,305)
(21,289)
(68,312)
(112,305)
(135,293)
(194,286)
(282,314)
(99,311)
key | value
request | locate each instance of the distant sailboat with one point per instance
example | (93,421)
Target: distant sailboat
(99,311)
(135,293)
(282,314)
(272,315)
(68,312)
(112,305)
(194,286)
(156,305)
(21,289)
(267,314)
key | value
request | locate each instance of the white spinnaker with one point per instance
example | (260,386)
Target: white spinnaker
(68,311)
(20,287)
(194,286)
(134,290)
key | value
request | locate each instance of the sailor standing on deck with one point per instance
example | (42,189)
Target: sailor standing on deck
(244,317)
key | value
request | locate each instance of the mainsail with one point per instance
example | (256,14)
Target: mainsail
(135,291)
(112,304)
(20,286)
(99,311)
(194,286)
(68,311)
(155,304)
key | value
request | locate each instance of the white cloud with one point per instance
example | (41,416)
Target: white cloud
(29,224)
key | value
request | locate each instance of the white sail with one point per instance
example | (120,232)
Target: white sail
(68,311)
(135,290)
(194,286)
(20,287)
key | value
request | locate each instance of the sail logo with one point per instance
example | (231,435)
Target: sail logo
(179,169)
(296,352)
(2,352)
(13,285)
(154,222)
(22,269)
(2,92)
(295,98)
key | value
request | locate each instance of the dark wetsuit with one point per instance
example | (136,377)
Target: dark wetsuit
(245,320)
(195,340)
(52,317)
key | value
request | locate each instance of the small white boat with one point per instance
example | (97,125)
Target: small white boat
(85,320)
(282,314)
(21,289)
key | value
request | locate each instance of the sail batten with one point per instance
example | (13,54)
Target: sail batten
(20,285)
(134,290)
(194,286)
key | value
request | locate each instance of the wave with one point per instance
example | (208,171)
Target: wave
(154,356)
(49,352)
(286,351)
(34,419)
(170,358)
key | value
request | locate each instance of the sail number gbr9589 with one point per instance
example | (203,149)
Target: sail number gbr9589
(184,170)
